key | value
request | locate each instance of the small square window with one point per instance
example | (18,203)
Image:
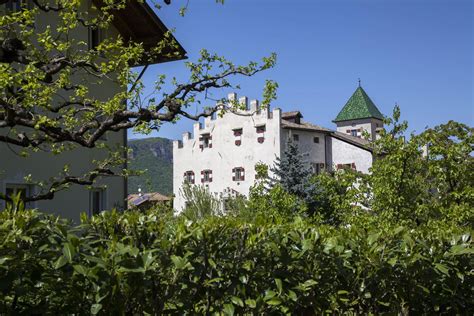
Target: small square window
(205,141)
(239,174)
(189,177)
(238,132)
(296,137)
(316,140)
(261,129)
(206,176)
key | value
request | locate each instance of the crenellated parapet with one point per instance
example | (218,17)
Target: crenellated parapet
(258,113)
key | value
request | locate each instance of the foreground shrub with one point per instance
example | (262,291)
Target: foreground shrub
(123,263)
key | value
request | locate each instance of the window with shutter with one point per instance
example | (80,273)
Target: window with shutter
(238,136)
(238,174)
(261,133)
(189,177)
(206,176)
(205,141)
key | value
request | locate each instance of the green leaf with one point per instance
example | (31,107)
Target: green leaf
(61,262)
(292,295)
(237,301)
(274,301)
(80,269)
(250,303)
(179,262)
(68,251)
(279,285)
(95,308)
(442,268)
(269,295)
(229,309)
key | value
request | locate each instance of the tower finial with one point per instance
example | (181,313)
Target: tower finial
(359,82)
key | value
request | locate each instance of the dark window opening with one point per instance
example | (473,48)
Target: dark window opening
(189,177)
(317,167)
(205,141)
(97,201)
(296,137)
(316,140)
(206,176)
(94,37)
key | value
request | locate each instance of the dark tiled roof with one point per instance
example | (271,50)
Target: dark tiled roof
(359,106)
(303,126)
(361,142)
(291,114)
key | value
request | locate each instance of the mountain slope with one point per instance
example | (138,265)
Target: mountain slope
(154,154)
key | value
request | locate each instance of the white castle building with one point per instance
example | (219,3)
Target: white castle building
(222,153)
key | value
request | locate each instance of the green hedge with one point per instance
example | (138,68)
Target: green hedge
(124,263)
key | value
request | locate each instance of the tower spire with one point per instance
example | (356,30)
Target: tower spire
(359,82)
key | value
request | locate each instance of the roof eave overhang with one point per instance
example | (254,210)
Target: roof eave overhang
(302,128)
(351,142)
(137,22)
(358,118)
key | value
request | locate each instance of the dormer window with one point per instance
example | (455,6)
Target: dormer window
(205,141)
(260,133)
(189,177)
(239,174)
(206,176)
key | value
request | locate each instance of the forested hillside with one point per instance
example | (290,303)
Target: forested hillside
(154,154)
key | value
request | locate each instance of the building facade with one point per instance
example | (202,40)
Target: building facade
(138,23)
(222,153)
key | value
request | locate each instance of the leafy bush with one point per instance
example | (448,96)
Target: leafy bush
(132,262)
(200,202)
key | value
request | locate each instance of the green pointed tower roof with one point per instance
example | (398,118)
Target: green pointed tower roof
(359,106)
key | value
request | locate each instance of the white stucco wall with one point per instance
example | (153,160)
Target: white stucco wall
(313,152)
(225,154)
(346,153)
(369,124)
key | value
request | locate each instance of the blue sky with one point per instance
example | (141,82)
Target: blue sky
(416,53)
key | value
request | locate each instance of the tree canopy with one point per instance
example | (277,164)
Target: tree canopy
(47,73)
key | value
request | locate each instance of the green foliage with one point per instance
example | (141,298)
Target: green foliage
(200,203)
(151,263)
(154,156)
(424,180)
(294,174)
(57,93)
